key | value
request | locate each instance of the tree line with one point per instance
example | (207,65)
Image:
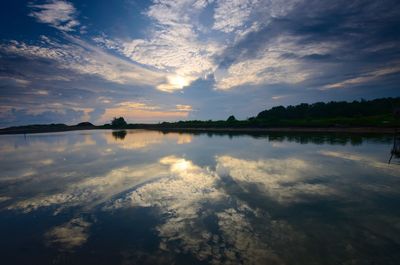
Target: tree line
(377,112)
(333,109)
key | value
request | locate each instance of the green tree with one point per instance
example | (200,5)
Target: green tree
(231,119)
(118,122)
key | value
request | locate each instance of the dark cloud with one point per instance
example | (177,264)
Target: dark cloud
(34,84)
(360,29)
(23,117)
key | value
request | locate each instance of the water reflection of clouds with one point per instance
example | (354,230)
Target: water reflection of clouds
(251,243)
(187,199)
(33,156)
(61,171)
(90,192)
(61,160)
(282,180)
(69,235)
(4,198)
(363,160)
(186,195)
(139,139)
(198,212)
(39,142)
(241,238)
(187,185)
(181,198)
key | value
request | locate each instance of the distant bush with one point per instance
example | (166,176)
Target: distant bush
(231,119)
(85,124)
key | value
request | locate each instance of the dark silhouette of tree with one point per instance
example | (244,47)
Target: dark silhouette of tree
(231,119)
(85,124)
(118,122)
(331,109)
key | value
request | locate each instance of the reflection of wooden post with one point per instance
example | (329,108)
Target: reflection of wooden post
(396,147)
(396,140)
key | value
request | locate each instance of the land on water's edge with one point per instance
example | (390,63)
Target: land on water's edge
(61,128)
(365,116)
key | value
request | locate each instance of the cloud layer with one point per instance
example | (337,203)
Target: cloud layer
(194,53)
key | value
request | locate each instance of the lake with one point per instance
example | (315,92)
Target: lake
(147,197)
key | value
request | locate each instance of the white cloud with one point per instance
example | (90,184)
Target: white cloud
(231,14)
(57,13)
(83,57)
(41,92)
(33,51)
(184,107)
(173,46)
(269,69)
(364,78)
(97,61)
(278,97)
(138,105)
(241,16)
(15,81)
(272,66)
(176,51)
(181,47)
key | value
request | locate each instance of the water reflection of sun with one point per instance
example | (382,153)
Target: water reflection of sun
(181,165)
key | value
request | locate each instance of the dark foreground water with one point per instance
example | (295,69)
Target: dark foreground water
(144,197)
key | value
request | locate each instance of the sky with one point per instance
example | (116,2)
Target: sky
(64,61)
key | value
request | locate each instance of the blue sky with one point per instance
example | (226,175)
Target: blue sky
(150,61)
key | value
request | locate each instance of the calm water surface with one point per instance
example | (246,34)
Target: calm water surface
(144,197)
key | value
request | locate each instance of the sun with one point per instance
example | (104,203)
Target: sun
(178,81)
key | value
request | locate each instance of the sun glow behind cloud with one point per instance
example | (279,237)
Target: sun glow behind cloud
(141,112)
(175,82)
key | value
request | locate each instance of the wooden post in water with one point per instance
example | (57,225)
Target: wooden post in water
(396,138)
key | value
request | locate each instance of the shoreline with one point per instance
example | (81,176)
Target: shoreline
(352,130)
(377,130)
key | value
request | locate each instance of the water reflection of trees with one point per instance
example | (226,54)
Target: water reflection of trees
(305,138)
(119,134)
